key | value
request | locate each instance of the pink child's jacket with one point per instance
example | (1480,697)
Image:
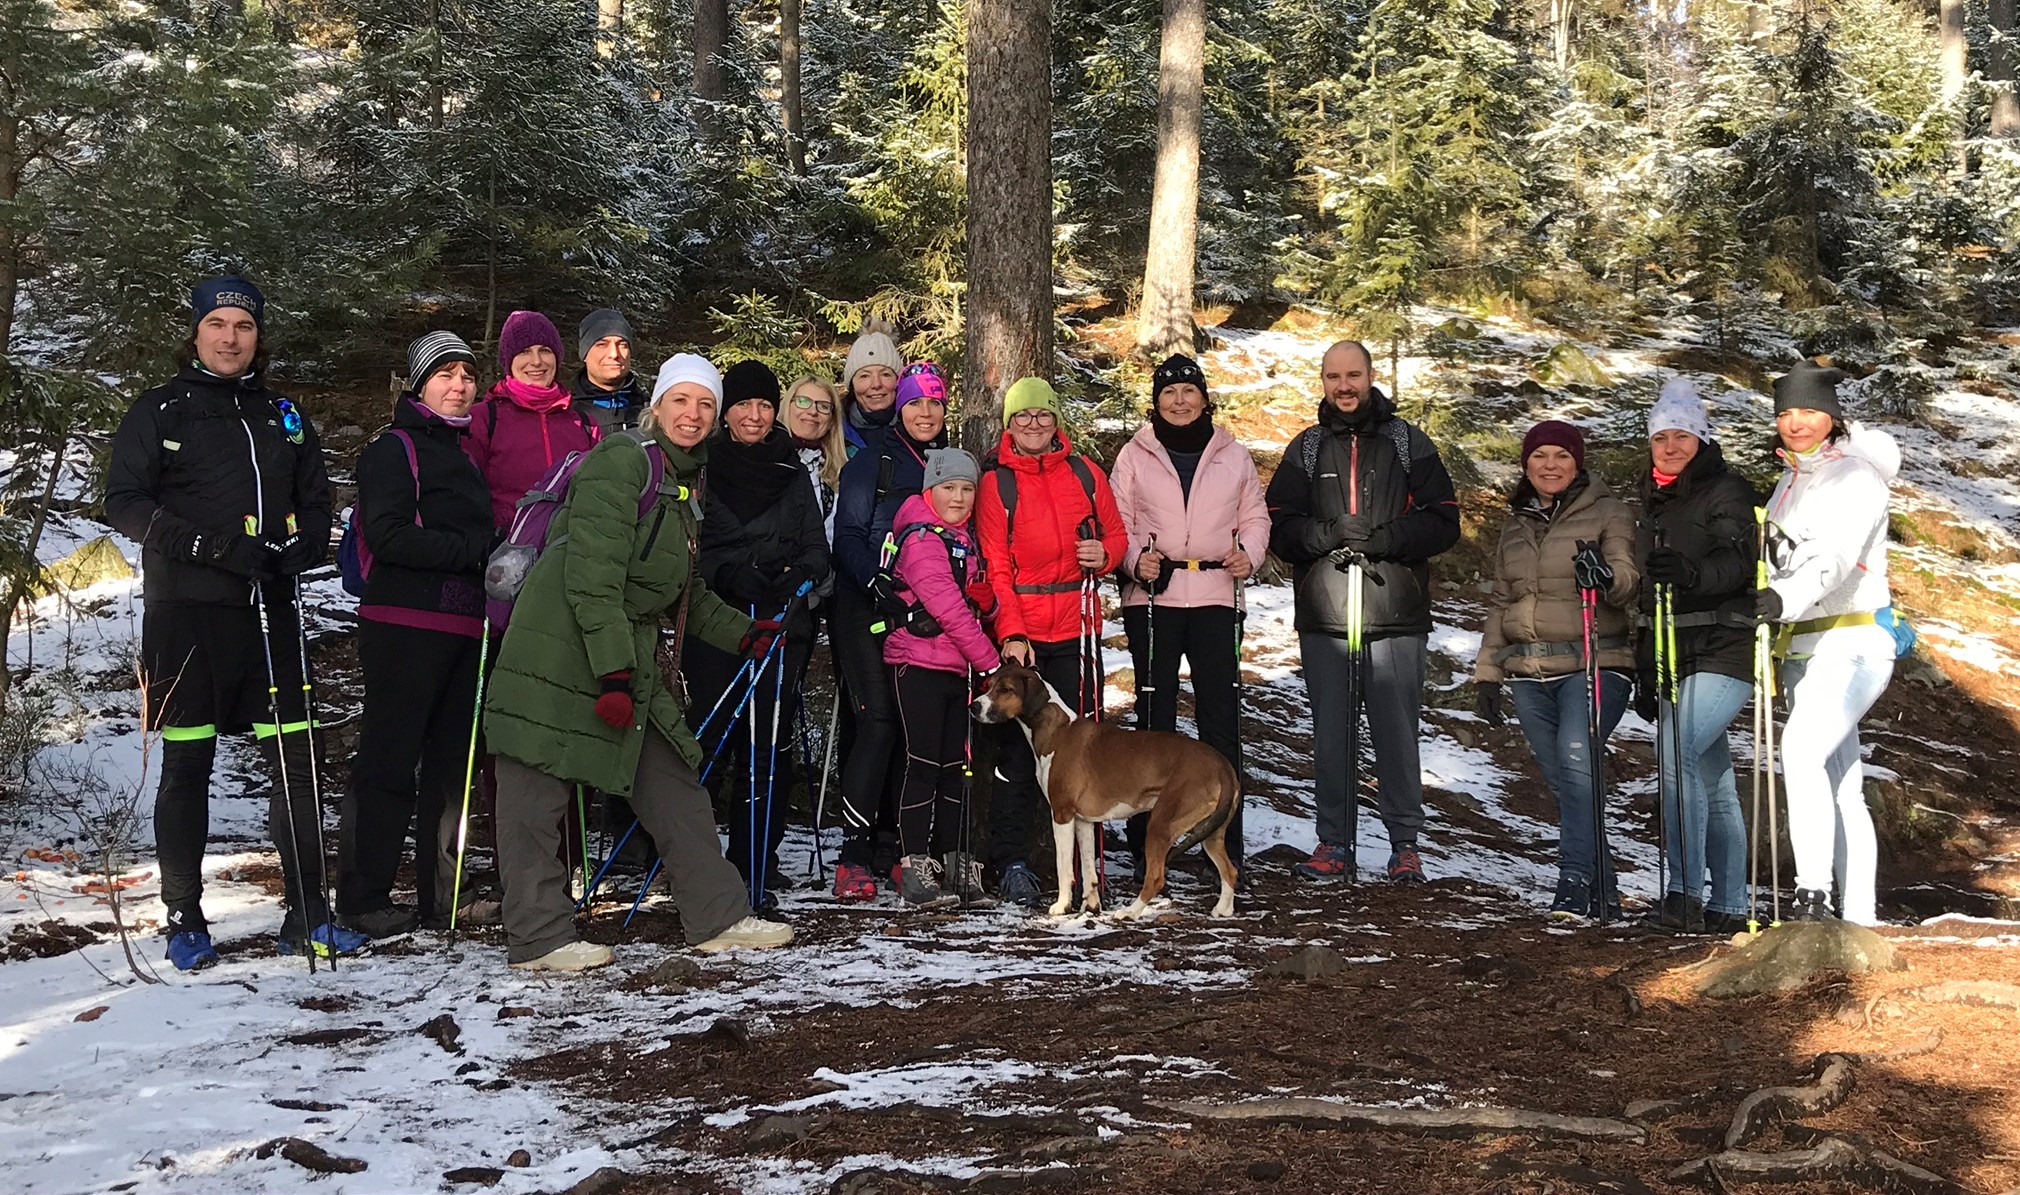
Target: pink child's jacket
(925,571)
(1227,497)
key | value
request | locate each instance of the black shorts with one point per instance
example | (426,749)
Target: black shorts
(205,668)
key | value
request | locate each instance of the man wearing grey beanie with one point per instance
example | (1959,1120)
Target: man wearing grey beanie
(606,390)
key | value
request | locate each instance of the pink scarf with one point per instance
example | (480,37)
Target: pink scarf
(539,399)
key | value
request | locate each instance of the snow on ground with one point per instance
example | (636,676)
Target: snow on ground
(203,1069)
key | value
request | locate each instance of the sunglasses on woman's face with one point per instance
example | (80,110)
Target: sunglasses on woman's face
(805,403)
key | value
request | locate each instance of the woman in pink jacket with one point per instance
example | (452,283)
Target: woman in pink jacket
(1193,504)
(940,574)
(526,423)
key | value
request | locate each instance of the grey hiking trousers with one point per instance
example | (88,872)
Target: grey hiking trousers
(538,915)
(1392,691)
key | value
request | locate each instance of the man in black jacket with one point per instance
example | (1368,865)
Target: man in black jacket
(607,390)
(221,482)
(1363,483)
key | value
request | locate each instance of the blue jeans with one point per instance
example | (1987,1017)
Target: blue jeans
(1554,714)
(1710,832)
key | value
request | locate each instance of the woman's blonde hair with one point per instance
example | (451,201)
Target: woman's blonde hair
(834,448)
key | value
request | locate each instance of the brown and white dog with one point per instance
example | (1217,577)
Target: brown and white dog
(1092,772)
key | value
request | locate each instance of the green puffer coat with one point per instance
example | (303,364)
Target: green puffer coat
(592,606)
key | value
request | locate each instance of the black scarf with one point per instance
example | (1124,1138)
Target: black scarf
(749,478)
(1192,437)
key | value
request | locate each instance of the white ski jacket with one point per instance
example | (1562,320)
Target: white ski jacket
(1829,511)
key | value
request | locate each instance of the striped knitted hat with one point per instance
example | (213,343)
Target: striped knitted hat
(434,351)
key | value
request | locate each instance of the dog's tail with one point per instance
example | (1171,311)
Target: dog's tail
(1213,821)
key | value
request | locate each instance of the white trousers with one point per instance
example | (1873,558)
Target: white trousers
(1830,826)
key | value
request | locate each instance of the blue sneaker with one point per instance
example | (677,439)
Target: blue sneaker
(1019,885)
(190,950)
(327,939)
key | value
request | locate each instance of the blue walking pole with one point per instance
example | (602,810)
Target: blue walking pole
(761,849)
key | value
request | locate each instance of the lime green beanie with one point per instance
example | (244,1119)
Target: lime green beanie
(1029,394)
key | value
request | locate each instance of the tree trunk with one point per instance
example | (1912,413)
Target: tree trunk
(10,245)
(1008,329)
(1164,324)
(435,82)
(1563,20)
(1951,54)
(711,34)
(609,24)
(789,83)
(2004,63)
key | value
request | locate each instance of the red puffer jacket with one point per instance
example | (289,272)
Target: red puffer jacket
(1036,577)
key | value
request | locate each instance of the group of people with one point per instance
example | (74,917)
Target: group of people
(707,527)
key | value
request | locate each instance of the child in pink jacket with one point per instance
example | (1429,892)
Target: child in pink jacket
(940,573)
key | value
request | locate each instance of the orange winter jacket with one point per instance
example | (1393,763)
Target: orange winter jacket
(1032,565)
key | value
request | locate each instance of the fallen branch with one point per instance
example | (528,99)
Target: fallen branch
(1983,992)
(1459,1122)
(1831,1157)
(1926,1046)
(1772,1105)
(309,1156)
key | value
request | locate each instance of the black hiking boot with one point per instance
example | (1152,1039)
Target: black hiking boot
(1684,914)
(1573,901)
(1810,904)
(391,921)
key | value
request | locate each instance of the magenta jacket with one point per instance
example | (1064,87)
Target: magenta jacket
(1227,498)
(925,573)
(514,447)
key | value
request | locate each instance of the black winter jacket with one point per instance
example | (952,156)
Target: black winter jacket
(1707,515)
(1373,464)
(761,529)
(612,410)
(868,497)
(437,565)
(192,461)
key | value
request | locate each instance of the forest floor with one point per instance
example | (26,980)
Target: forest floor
(992,1051)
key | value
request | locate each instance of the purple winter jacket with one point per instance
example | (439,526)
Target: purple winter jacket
(925,571)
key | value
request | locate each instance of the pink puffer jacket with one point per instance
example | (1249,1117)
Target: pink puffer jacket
(1226,501)
(925,573)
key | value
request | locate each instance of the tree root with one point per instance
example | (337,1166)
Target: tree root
(1772,1105)
(1985,992)
(1449,1122)
(1829,1157)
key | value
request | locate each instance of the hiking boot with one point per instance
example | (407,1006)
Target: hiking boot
(920,883)
(1725,925)
(1684,914)
(392,921)
(752,933)
(854,884)
(1810,904)
(326,940)
(575,956)
(190,950)
(964,880)
(482,911)
(1573,901)
(1405,867)
(1019,885)
(1328,862)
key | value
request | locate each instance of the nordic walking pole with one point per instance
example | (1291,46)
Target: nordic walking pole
(315,770)
(761,849)
(1588,602)
(1764,700)
(469,779)
(1354,565)
(1240,632)
(1665,777)
(280,756)
(1762,696)
(582,830)
(1148,685)
(827,764)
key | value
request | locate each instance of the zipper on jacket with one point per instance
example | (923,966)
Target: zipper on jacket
(259,482)
(652,536)
(1354,475)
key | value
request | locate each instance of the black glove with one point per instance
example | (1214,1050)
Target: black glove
(1490,702)
(780,590)
(1767,605)
(287,555)
(1346,531)
(1646,700)
(1589,569)
(745,585)
(233,551)
(1667,566)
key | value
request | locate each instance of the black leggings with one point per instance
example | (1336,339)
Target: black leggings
(933,708)
(872,766)
(1204,637)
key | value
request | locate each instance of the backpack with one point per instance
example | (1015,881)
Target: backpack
(512,561)
(354,555)
(1006,490)
(894,609)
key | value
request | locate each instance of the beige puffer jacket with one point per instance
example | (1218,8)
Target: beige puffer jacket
(1535,599)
